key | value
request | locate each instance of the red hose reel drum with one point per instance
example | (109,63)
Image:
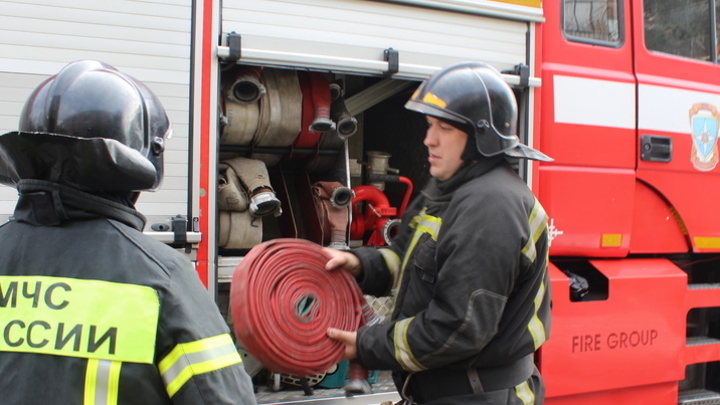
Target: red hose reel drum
(282,302)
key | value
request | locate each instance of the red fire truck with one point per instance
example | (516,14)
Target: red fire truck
(623,94)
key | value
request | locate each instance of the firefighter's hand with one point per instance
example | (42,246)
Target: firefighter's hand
(341,259)
(348,338)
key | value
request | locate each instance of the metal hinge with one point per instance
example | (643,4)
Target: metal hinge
(177,233)
(234,44)
(522,71)
(392,57)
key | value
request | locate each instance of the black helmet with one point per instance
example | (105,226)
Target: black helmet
(90,127)
(475,97)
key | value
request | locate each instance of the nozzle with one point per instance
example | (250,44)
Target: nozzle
(346,123)
(341,197)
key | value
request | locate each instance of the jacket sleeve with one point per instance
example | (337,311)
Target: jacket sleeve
(198,360)
(381,266)
(468,273)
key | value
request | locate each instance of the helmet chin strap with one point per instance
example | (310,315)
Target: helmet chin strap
(471,152)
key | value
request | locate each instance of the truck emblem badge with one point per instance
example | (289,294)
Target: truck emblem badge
(704,119)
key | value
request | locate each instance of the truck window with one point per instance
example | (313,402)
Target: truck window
(682,28)
(593,21)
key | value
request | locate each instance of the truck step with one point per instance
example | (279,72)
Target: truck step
(701,340)
(704,286)
(699,397)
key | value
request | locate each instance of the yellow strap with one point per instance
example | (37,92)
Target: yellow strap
(187,360)
(78,318)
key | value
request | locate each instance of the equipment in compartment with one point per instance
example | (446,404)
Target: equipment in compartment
(287,122)
(309,175)
(245,196)
(375,220)
(332,200)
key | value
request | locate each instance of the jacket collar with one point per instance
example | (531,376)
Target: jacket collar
(44,203)
(443,190)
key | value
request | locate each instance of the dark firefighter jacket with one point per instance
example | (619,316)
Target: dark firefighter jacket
(94,312)
(468,272)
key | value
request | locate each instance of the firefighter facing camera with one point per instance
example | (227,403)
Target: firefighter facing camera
(468,268)
(93,310)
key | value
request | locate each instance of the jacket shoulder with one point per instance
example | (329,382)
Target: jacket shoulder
(165,257)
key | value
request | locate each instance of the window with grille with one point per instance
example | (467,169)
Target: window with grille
(595,21)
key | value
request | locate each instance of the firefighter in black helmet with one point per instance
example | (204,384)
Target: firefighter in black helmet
(93,311)
(469,266)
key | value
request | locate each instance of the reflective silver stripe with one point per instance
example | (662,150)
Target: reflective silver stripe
(525,394)
(535,326)
(102,382)
(430,224)
(403,354)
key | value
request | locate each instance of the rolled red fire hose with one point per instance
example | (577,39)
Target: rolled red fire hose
(283,301)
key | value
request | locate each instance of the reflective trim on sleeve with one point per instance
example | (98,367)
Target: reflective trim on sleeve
(187,360)
(392,261)
(538,223)
(525,394)
(535,326)
(403,354)
(102,382)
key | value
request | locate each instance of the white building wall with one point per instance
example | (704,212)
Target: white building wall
(148,39)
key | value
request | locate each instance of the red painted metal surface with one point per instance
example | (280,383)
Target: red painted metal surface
(203,253)
(656,394)
(590,208)
(633,339)
(708,352)
(686,188)
(588,191)
(656,228)
(606,203)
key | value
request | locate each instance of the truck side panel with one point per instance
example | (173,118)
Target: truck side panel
(352,36)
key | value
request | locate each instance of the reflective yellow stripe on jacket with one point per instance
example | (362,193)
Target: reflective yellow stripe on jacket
(187,360)
(423,224)
(537,221)
(102,382)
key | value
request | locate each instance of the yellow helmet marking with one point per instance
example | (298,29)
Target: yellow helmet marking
(434,100)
